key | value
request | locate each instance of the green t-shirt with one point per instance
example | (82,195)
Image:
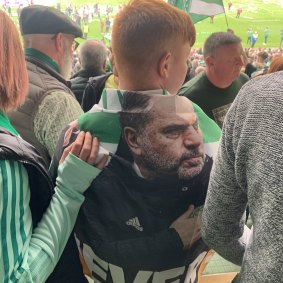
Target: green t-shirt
(214,101)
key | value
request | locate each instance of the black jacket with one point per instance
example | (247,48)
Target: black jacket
(124,224)
(15,148)
(93,91)
(41,187)
(79,82)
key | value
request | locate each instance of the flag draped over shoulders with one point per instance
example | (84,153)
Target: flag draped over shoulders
(103,122)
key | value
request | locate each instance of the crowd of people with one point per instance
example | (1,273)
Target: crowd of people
(130,163)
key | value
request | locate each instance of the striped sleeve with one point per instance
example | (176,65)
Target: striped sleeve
(15,217)
(28,256)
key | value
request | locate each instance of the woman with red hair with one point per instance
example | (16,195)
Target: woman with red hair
(35,218)
(276,65)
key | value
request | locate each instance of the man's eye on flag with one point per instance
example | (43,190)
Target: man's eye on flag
(199,9)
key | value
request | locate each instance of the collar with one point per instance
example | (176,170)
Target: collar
(5,123)
(111,99)
(87,73)
(137,170)
(31,52)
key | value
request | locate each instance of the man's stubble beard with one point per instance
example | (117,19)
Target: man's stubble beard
(169,167)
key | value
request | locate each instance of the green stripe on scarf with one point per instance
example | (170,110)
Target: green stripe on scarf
(104,125)
(210,130)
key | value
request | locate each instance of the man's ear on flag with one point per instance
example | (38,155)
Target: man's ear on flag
(132,139)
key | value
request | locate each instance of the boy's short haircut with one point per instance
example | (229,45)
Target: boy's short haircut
(145,30)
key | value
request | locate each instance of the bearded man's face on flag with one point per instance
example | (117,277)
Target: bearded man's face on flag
(169,146)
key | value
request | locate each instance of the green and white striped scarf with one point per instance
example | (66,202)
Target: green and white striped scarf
(103,122)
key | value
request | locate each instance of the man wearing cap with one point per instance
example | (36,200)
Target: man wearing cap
(48,37)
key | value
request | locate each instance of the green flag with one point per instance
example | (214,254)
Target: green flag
(199,9)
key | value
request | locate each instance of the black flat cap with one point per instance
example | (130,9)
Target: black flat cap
(38,19)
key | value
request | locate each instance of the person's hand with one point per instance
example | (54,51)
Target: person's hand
(86,148)
(188,228)
(72,127)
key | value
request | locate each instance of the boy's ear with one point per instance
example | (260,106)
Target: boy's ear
(164,65)
(132,140)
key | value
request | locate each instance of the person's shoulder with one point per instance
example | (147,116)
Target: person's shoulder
(244,77)
(57,98)
(99,78)
(192,86)
(265,86)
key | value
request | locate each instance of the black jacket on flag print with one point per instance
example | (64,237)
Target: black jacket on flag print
(123,226)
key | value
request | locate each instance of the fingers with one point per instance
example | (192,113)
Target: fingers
(93,151)
(65,153)
(102,162)
(189,212)
(82,146)
(86,148)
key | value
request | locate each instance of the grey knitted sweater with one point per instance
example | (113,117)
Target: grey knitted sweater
(249,170)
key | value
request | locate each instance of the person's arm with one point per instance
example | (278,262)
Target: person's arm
(54,113)
(30,256)
(223,221)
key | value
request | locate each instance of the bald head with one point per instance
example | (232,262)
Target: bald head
(93,54)
(139,109)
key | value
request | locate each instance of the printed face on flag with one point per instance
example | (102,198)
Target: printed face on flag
(169,144)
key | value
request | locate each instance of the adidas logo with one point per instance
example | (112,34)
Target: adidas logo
(135,223)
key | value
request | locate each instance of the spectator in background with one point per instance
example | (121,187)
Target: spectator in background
(36,220)
(96,85)
(92,58)
(266,35)
(48,38)
(85,30)
(281,38)
(249,37)
(199,69)
(254,38)
(261,64)
(250,69)
(193,65)
(107,25)
(239,12)
(215,89)
(276,65)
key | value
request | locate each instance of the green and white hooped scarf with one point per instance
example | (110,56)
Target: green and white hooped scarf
(103,122)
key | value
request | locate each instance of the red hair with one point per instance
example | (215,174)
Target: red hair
(144,30)
(13,73)
(276,65)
